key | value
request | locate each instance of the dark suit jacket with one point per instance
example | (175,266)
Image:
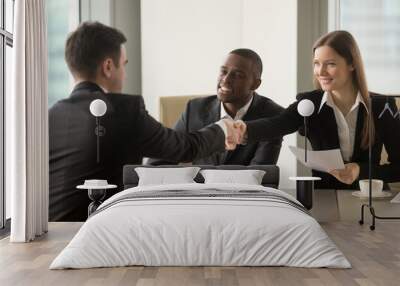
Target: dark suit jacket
(203,111)
(323,135)
(131,133)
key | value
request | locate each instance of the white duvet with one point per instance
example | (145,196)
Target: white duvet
(200,231)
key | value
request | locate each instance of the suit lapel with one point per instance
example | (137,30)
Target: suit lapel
(328,127)
(357,139)
(211,112)
(253,111)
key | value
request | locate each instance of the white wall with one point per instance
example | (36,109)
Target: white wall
(270,27)
(183,45)
(185,42)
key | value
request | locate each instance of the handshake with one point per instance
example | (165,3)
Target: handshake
(236,131)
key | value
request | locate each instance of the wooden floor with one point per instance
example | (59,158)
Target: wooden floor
(374,255)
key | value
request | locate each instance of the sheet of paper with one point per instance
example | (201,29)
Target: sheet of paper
(319,160)
(396,199)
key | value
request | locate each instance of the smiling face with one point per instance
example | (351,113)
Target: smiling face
(331,70)
(236,80)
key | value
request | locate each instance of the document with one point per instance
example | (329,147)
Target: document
(324,161)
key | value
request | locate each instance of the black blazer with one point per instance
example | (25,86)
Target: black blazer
(130,134)
(323,135)
(203,111)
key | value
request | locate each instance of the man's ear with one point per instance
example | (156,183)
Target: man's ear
(106,67)
(256,84)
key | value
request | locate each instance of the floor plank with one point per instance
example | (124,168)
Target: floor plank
(375,257)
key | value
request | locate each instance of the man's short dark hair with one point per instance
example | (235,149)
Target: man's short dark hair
(254,57)
(89,45)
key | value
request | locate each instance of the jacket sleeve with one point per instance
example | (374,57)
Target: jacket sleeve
(176,146)
(267,152)
(264,129)
(181,126)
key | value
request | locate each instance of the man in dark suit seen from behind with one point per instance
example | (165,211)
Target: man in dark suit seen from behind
(239,77)
(96,57)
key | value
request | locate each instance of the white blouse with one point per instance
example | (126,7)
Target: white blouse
(346,123)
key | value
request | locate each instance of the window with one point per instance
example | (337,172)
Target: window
(6,44)
(375,24)
(8,73)
(9,19)
(59,24)
(62,17)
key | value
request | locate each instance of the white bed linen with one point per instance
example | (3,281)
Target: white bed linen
(200,231)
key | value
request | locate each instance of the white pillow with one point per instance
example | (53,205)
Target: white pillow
(248,177)
(163,176)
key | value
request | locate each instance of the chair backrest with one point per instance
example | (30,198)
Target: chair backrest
(171,107)
(384,156)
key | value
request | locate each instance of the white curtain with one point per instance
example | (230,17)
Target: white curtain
(27,124)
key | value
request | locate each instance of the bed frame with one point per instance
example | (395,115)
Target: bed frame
(270,179)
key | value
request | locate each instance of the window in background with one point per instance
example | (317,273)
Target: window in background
(375,24)
(2,141)
(9,9)
(62,17)
(8,73)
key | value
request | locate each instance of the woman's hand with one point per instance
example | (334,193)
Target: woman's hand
(347,175)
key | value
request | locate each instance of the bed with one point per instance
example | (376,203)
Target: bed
(201,224)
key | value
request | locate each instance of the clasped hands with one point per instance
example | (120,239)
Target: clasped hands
(236,131)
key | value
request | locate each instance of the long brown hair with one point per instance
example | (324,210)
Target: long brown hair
(345,45)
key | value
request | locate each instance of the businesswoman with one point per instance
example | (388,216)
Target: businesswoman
(340,118)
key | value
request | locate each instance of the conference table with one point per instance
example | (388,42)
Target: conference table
(340,205)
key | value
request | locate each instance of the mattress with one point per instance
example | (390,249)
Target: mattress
(201,225)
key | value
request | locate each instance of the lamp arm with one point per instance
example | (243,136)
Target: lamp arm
(305,139)
(98,138)
(370,150)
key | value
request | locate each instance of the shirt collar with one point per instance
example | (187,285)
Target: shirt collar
(328,100)
(104,89)
(89,85)
(240,113)
(85,87)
